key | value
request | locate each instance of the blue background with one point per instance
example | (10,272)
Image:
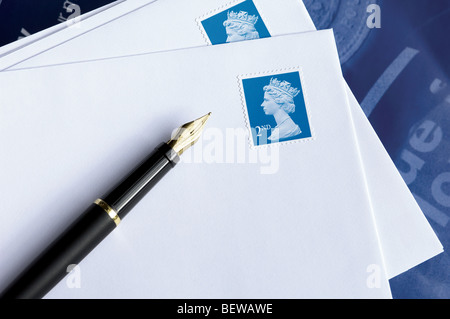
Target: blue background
(423,25)
(254,97)
(406,105)
(35,15)
(216,31)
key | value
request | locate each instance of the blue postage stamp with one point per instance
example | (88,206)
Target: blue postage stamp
(238,22)
(275,108)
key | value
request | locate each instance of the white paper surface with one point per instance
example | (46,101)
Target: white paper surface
(41,35)
(229,232)
(27,47)
(405,235)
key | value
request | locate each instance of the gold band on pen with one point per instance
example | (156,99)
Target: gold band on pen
(109,210)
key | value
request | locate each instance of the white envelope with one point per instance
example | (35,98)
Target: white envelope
(405,235)
(76,22)
(210,229)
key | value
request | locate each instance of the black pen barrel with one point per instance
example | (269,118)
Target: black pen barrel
(128,192)
(83,235)
(75,243)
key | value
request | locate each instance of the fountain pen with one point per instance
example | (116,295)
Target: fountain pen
(101,218)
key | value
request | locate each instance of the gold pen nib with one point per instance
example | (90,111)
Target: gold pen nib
(188,134)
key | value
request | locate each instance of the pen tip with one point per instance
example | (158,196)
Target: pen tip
(188,134)
(205,117)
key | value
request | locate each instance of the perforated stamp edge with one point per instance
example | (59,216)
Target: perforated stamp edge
(221,9)
(303,83)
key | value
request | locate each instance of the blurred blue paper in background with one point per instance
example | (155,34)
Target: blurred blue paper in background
(399,72)
(19,19)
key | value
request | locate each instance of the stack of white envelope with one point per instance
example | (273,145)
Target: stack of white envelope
(302,203)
